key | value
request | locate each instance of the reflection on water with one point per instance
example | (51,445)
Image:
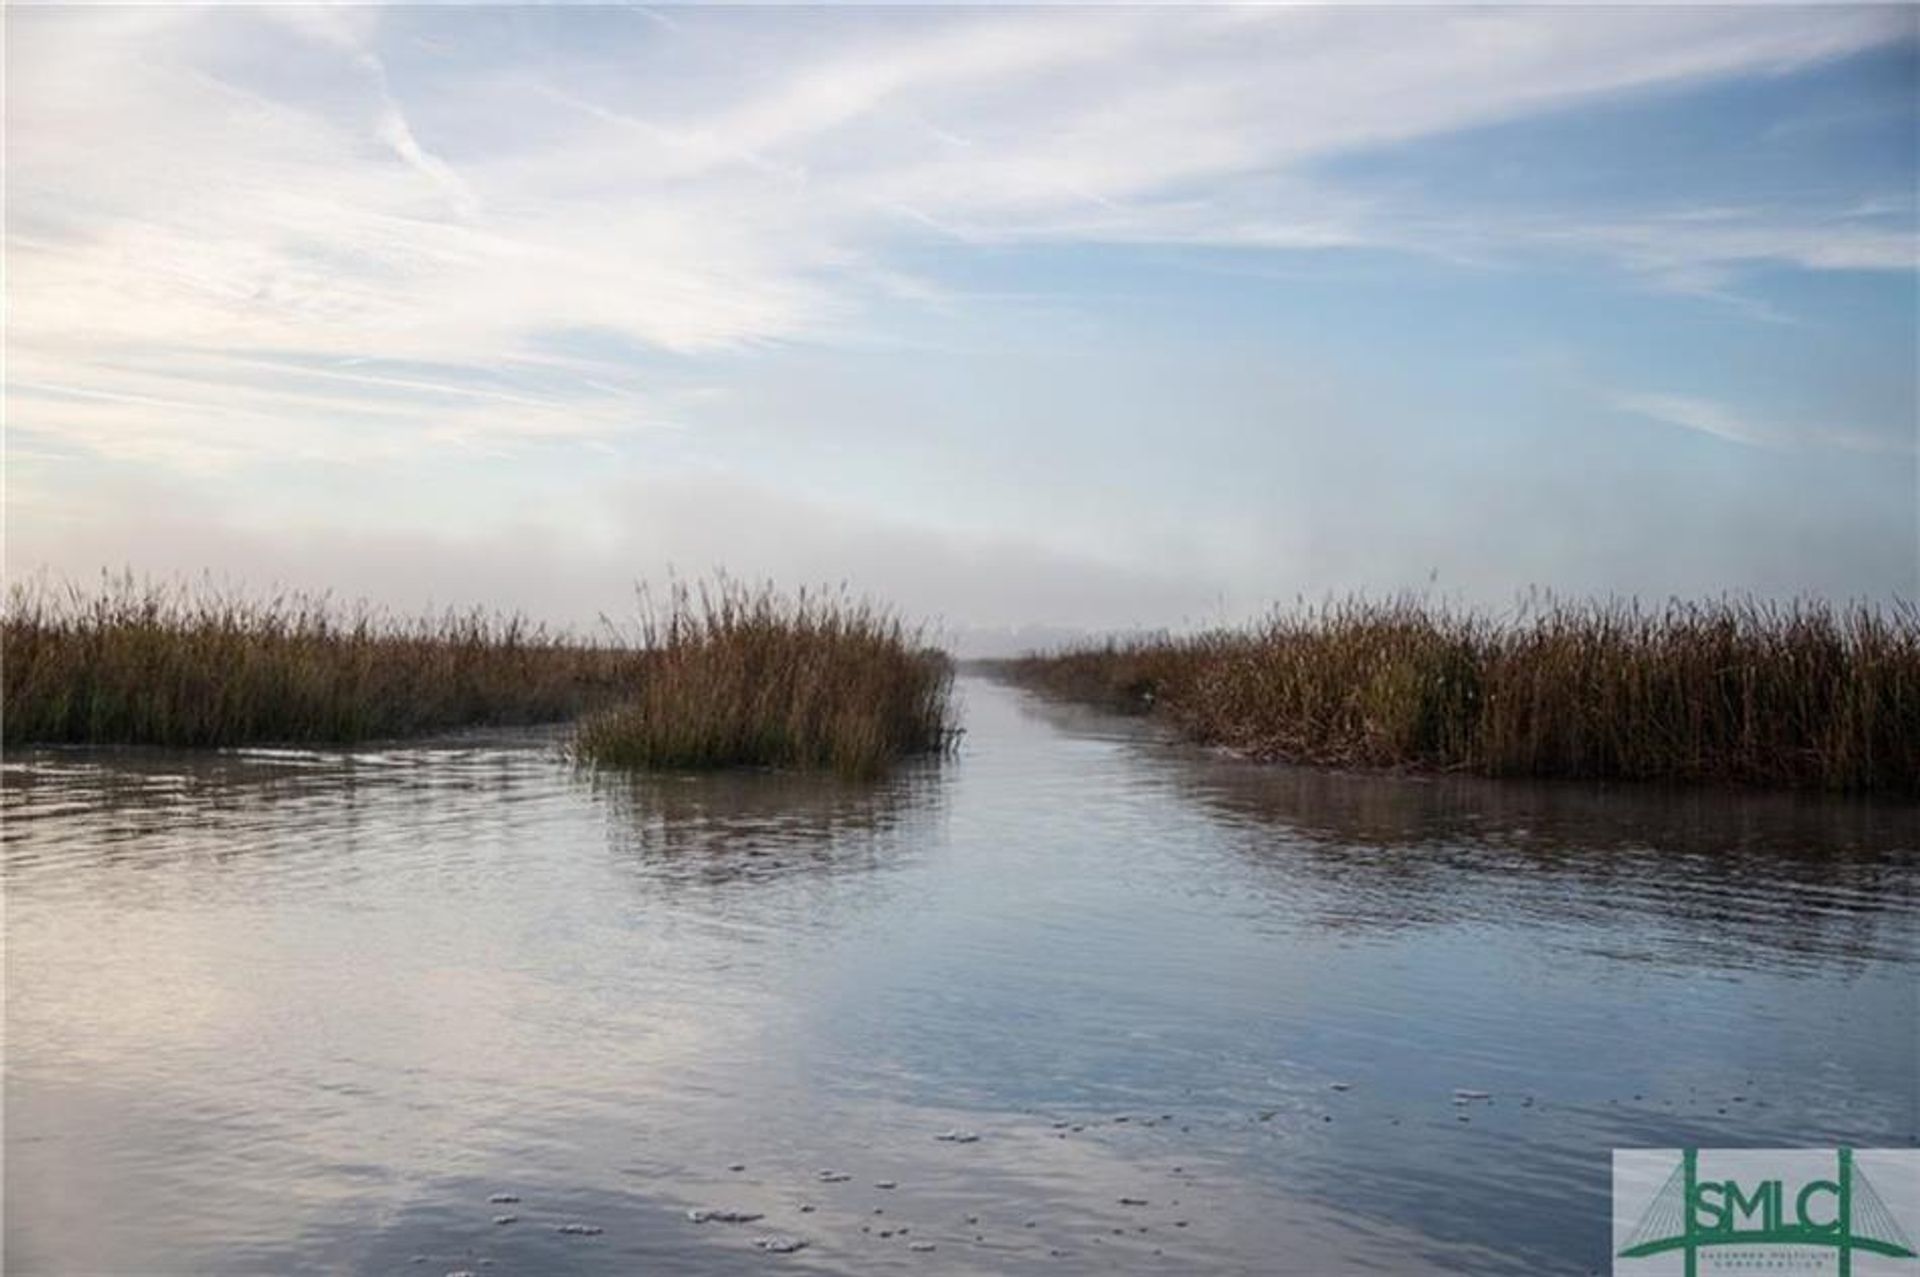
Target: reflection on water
(276,1010)
(1725,877)
(1737,877)
(750,827)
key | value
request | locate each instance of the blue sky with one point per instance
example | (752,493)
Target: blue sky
(1023,317)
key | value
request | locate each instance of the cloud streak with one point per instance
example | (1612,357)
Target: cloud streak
(1710,417)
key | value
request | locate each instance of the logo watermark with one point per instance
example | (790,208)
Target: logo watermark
(1782,1212)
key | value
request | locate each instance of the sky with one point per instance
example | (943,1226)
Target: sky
(1031,320)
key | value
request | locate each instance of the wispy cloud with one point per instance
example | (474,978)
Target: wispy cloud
(1703,251)
(1711,417)
(188,186)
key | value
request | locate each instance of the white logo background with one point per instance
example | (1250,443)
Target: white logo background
(1639,1175)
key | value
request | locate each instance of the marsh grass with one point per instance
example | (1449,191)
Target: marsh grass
(739,675)
(1726,691)
(181,664)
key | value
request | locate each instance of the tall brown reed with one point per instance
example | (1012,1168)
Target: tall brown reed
(1730,690)
(191,665)
(736,675)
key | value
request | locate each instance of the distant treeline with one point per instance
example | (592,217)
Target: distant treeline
(721,675)
(1732,691)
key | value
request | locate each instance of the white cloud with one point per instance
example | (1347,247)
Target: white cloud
(200,195)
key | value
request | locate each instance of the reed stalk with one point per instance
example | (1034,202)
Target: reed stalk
(738,675)
(1733,690)
(182,664)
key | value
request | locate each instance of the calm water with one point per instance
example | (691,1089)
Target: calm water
(286,1011)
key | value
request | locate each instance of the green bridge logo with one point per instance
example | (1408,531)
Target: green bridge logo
(1773,1211)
